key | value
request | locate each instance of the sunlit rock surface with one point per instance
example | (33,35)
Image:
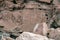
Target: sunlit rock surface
(31,36)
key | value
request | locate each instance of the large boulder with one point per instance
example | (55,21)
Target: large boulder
(31,36)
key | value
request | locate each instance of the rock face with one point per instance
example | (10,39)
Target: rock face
(19,14)
(36,16)
(31,36)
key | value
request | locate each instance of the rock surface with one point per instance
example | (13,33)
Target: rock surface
(26,14)
(54,34)
(48,1)
(31,36)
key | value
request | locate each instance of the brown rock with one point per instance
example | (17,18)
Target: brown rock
(56,2)
(54,34)
(8,5)
(48,1)
(36,5)
(41,29)
(10,20)
(32,4)
(31,18)
(19,1)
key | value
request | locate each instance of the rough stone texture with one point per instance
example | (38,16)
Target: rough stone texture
(33,4)
(31,36)
(54,34)
(56,2)
(41,29)
(48,1)
(10,20)
(11,5)
(7,38)
(26,14)
(58,17)
(8,5)
(32,17)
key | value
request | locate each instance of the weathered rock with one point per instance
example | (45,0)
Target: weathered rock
(9,19)
(41,29)
(33,4)
(32,17)
(56,20)
(19,1)
(31,36)
(48,1)
(34,12)
(56,2)
(54,34)
(19,6)
(7,38)
(8,5)
(58,17)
